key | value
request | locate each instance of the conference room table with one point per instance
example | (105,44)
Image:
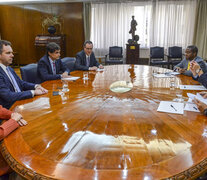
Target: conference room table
(93,133)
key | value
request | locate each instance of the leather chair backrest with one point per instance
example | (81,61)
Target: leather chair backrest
(29,73)
(69,62)
(115,52)
(157,52)
(175,52)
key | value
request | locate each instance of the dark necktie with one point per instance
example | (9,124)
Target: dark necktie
(13,81)
(54,69)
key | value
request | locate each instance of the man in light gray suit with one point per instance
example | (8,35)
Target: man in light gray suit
(190,56)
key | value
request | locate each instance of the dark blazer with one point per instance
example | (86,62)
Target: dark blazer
(8,96)
(202,79)
(80,63)
(45,72)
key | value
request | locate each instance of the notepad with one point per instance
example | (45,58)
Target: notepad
(192,87)
(72,78)
(171,107)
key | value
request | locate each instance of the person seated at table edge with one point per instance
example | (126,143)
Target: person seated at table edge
(198,73)
(85,59)
(201,106)
(50,66)
(14,120)
(12,88)
(190,55)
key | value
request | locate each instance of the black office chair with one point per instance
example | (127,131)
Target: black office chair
(69,62)
(29,73)
(115,55)
(157,57)
(175,55)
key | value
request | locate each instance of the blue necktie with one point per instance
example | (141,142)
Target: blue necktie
(13,81)
(54,69)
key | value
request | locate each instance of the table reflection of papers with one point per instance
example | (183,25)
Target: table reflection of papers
(40,103)
(171,107)
(72,78)
(192,87)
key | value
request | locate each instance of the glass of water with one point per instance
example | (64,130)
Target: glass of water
(85,75)
(65,86)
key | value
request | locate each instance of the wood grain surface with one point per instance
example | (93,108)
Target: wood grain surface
(93,133)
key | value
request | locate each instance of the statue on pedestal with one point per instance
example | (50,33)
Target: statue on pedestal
(135,38)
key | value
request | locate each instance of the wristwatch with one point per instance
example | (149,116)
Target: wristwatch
(205,112)
(198,70)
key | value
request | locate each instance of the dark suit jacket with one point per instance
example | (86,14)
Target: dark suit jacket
(80,63)
(8,96)
(202,79)
(45,72)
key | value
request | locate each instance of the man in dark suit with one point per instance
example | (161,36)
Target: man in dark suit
(12,88)
(85,59)
(50,66)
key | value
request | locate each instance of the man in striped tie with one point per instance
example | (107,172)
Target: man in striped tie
(12,88)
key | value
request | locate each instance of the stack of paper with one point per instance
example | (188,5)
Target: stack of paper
(192,87)
(72,78)
(171,107)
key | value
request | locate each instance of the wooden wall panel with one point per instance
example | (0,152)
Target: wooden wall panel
(21,23)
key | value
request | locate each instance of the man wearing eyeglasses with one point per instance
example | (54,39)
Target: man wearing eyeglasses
(85,59)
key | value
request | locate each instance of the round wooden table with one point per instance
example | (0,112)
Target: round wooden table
(94,133)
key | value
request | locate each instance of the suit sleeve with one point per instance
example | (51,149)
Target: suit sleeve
(78,64)
(5,113)
(203,80)
(7,127)
(203,66)
(44,74)
(181,64)
(7,95)
(63,68)
(95,62)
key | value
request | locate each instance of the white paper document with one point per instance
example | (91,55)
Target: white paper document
(72,78)
(174,73)
(192,87)
(164,75)
(191,107)
(171,107)
(197,96)
(100,69)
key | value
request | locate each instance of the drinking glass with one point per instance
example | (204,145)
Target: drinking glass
(85,75)
(172,83)
(65,86)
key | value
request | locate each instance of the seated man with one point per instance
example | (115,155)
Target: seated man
(12,88)
(198,73)
(190,54)
(85,59)
(50,66)
(14,120)
(201,106)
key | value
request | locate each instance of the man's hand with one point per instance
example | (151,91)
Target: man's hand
(204,94)
(65,75)
(42,89)
(94,68)
(16,116)
(38,91)
(201,106)
(180,70)
(100,66)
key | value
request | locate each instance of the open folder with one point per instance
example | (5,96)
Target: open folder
(171,107)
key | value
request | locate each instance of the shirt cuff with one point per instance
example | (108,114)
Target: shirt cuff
(32,91)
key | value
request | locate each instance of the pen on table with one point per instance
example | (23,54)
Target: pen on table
(195,108)
(173,107)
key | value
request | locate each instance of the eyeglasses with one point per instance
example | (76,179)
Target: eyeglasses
(89,48)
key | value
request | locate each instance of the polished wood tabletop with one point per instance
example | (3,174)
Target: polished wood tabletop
(92,133)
